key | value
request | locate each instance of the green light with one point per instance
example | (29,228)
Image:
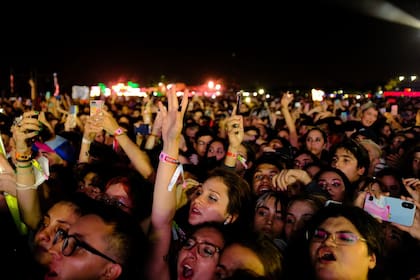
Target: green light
(133,85)
(102,87)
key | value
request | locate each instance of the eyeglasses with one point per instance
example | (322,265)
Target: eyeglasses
(334,183)
(70,244)
(339,237)
(204,249)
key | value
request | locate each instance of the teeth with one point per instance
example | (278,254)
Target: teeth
(187,271)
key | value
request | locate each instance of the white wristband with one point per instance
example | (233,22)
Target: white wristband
(86,141)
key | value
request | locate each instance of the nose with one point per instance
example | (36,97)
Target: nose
(266,178)
(330,241)
(198,199)
(193,252)
(46,234)
(55,250)
(336,164)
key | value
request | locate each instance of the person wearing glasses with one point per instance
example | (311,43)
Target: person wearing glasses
(223,198)
(106,243)
(340,242)
(199,253)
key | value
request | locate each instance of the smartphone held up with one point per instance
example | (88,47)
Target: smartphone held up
(390,209)
(96,107)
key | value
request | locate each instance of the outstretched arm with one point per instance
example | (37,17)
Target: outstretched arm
(28,199)
(285,101)
(164,198)
(138,158)
(235,131)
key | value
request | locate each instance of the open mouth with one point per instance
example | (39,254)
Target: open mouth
(326,255)
(187,272)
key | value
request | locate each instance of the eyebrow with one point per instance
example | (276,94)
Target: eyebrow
(346,156)
(63,222)
(210,189)
(59,221)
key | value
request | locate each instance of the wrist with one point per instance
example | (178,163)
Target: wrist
(86,141)
(167,158)
(232,154)
(156,134)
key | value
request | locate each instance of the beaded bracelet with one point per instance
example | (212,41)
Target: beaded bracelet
(25,166)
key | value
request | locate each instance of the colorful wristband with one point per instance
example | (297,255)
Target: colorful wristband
(167,158)
(230,154)
(119,131)
(86,141)
(24,166)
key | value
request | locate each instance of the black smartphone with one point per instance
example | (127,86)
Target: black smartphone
(238,103)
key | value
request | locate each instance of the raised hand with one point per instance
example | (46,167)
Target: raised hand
(287,177)
(172,117)
(235,129)
(25,127)
(413,230)
(412,185)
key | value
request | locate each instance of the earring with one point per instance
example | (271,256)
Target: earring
(226,222)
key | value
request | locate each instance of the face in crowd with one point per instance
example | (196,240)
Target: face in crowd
(200,254)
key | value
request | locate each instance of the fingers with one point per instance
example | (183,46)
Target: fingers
(234,124)
(282,180)
(360,199)
(184,102)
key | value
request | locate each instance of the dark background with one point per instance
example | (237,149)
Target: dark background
(295,44)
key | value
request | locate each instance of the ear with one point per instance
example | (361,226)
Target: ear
(112,271)
(233,217)
(230,219)
(372,261)
(361,171)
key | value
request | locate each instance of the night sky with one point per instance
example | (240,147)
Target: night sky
(305,44)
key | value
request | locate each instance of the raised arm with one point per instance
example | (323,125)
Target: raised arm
(26,194)
(164,198)
(138,158)
(89,132)
(235,131)
(285,101)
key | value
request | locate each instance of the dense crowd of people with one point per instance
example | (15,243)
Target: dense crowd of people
(196,188)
